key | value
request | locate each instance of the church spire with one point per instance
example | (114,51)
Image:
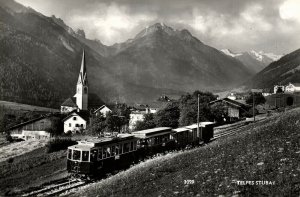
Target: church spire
(82,78)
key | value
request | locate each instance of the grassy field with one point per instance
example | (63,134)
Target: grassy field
(18,148)
(31,169)
(24,107)
(266,151)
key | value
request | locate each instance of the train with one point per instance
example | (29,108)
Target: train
(99,156)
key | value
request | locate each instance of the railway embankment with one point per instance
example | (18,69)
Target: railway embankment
(261,159)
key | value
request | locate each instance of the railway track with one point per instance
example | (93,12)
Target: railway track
(56,189)
(231,130)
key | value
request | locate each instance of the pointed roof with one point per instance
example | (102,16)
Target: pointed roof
(70,102)
(82,78)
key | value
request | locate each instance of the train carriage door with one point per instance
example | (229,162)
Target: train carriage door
(94,155)
(69,153)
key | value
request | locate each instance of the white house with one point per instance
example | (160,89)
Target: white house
(74,123)
(102,110)
(293,87)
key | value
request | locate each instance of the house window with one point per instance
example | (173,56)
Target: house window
(77,125)
(74,118)
(70,125)
(81,125)
(85,90)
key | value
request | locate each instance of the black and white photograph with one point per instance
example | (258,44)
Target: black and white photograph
(158,98)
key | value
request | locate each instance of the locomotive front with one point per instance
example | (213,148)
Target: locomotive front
(78,160)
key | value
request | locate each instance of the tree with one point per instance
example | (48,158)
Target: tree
(189,107)
(98,125)
(114,123)
(219,112)
(147,123)
(56,126)
(258,99)
(168,116)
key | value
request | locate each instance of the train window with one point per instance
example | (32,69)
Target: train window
(131,146)
(100,154)
(94,155)
(126,148)
(104,152)
(76,155)
(85,155)
(108,152)
(70,154)
(117,149)
(113,151)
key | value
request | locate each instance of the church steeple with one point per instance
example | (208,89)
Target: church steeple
(82,86)
(82,78)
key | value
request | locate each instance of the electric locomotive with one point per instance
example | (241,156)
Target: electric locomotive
(99,156)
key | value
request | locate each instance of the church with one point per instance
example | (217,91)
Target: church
(77,106)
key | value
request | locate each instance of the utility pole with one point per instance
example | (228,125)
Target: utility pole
(253,107)
(254,91)
(200,136)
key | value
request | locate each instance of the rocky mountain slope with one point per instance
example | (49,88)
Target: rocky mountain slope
(283,71)
(160,56)
(255,61)
(40,61)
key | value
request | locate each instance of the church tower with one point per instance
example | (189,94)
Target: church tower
(82,87)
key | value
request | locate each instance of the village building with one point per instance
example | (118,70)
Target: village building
(233,107)
(76,122)
(292,88)
(103,110)
(140,110)
(32,129)
(68,106)
(80,99)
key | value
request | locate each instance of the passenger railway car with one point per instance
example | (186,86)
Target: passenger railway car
(154,140)
(101,155)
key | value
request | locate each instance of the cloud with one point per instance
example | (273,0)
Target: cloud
(290,10)
(109,23)
(241,25)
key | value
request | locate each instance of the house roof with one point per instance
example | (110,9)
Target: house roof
(83,114)
(70,102)
(231,102)
(100,108)
(29,121)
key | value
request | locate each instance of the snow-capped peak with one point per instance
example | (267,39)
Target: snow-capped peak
(260,55)
(257,55)
(230,53)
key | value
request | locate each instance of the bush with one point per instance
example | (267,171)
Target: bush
(58,144)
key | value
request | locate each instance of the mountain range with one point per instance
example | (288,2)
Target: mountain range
(255,61)
(40,61)
(282,71)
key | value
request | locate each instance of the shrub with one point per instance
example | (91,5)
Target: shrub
(58,144)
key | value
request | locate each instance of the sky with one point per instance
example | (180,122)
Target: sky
(239,25)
